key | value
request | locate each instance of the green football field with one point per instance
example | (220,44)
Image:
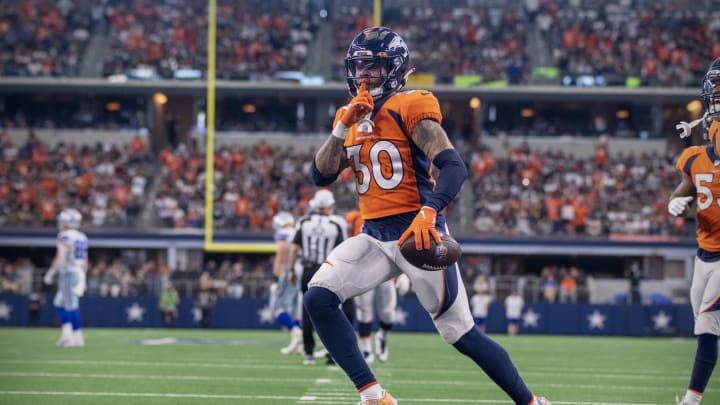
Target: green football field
(175,366)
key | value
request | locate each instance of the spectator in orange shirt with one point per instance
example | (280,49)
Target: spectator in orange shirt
(568,289)
(48,211)
(137,145)
(581,209)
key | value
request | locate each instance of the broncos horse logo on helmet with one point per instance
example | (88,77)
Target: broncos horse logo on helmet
(382,47)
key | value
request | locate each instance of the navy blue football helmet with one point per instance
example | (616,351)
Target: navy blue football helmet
(378,46)
(711,90)
(711,95)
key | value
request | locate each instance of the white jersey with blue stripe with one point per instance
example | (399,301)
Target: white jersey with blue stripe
(72,250)
(285,234)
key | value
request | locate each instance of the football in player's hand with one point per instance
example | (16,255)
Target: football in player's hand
(438,257)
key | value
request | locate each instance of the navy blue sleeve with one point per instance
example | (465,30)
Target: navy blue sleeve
(452,176)
(320,179)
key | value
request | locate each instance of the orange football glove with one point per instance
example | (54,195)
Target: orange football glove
(423,227)
(359,107)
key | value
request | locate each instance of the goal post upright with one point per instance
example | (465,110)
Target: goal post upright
(209,244)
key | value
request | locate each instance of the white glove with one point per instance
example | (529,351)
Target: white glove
(686,127)
(79,288)
(48,279)
(402,283)
(677,205)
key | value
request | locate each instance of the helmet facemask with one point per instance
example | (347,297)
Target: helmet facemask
(379,85)
(711,99)
(711,94)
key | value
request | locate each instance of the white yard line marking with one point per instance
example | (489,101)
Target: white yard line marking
(244,365)
(322,386)
(161,341)
(280,397)
(144,376)
(147,395)
(326,389)
(624,374)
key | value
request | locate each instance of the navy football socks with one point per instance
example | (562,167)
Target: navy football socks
(364,328)
(705,359)
(496,363)
(337,334)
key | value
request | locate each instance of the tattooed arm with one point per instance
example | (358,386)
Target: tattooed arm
(328,162)
(330,158)
(431,138)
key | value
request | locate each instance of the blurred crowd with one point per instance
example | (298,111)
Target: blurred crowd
(255,38)
(447,39)
(540,193)
(655,42)
(114,276)
(45,38)
(248,276)
(106,183)
(524,193)
(252,184)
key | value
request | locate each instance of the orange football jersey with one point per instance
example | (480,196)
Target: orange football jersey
(392,174)
(702,165)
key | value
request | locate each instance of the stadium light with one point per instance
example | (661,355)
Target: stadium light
(694,107)
(160,98)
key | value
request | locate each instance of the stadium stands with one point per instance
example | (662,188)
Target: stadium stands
(123,176)
(576,42)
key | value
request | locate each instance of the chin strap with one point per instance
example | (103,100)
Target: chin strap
(405,77)
(376,93)
(686,127)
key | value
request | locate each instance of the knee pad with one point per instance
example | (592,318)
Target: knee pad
(454,323)
(363,315)
(387,315)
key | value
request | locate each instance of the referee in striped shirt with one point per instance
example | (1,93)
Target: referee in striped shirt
(316,235)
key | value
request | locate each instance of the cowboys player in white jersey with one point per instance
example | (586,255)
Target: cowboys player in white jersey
(285,293)
(70,264)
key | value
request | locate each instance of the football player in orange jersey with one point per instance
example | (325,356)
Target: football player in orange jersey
(700,166)
(391,138)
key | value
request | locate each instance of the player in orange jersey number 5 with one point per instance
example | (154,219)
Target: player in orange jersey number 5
(699,166)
